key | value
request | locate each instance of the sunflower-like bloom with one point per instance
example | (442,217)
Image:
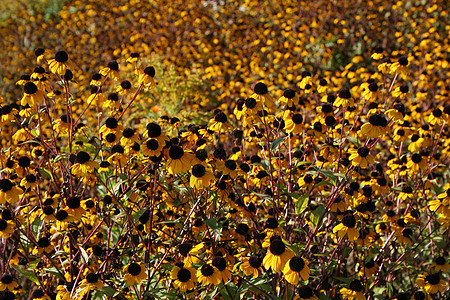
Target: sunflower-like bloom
(84,165)
(31,95)
(146,77)
(431,283)
(354,291)
(251,265)
(344,98)
(295,268)
(290,97)
(261,95)
(378,53)
(183,277)
(91,282)
(134,273)
(58,64)
(219,123)
(208,274)
(293,122)
(401,66)
(6,228)
(201,176)
(375,127)
(347,227)
(397,113)
(9,193)
(111,70)
(361,157)
(178,160)
(277,255)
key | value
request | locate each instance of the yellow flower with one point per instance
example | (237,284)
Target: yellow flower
(183,277)
(431,283)
(295,268)
(251,265)
(208,274)
(57,65)
(277,255)
(9,193)
(201,176)
(7,282)
(135,273)
(111,70)
(361,157)
(347,227)
(354,291)
(178,160)
(344,98)
(146,77)
(32,95)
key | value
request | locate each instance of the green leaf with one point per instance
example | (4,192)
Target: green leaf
(301,204)
(36,227)
(439,241)
(277,143)
(84,256)
(45,173)
(316,214)
(26,272)
(212,223)
(344,279)
(109,291)
(332,176)
(33,264)
(54,271)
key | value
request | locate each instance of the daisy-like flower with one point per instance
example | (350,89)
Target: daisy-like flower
(201,176)
(293,122)
(74,208)
(219,123)
(261,95)
(129,137)
(368,269)
(134,56)
(405,237)
(84,165)
(290,97)
(147,77)
(416,163)
(397,113)
(222,266)
(39,53)
(440,264)
(347,227)
(361,157)
(7,282)
(111,70)
(39,295)
(29,181)
(31,95)
(377,53)
(7,114)
(92,282)
(178,160)
(344,98)
(436,117)
(251,265)
(6,228)
(305,292)
(96,97)
(401,92)
(401,66)
(277,255)
(208,274)
(152,147)
(43,246)
(371,92)
(431,283)
(111,126)
(112,102)
(61,125)
(385,65)
(322,87)
(134,273)
(416,143)
(58,64)
(96,79)
(295,268)
(375,127)
(354,291)
(183,277)
(9,193)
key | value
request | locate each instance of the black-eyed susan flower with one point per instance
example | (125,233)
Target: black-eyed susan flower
(293,122)
(361,157)
(111,70)
(29,181)
(134,56)
(112,102)
(219,123)
(118,156)
(436,117)
(375,127)
(401,66)
(371,91)
(91,282)
(6,228)
(416,163)
(290,97)
(385,65)
(251,265)
(31,95)
(440,264)
(39,295)
(368,268)
(397,113)
(147,77)
(295,268)
(178,159)
(305,292)
(377,53)
(39,53)
(201,176)
(134,273)
(347,227)
(431,283)
(354,291)
(43,246)
(9,193)
(277,254)
(129,137)
(223,267)
(208,274)
(152,147)
(84,165)
(58,64)
(344,98)
(7,282)
(183,277)
(401,92)
(405,237)
(261,95)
